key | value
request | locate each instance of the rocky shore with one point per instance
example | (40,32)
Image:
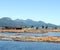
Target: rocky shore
(32,38)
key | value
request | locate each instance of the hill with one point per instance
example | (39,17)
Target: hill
(9,22)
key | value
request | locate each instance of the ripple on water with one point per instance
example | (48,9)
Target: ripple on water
(13,45)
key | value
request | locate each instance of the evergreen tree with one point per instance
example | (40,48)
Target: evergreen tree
(42,27)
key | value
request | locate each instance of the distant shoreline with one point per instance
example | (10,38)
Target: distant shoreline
(29,31)
(31,38)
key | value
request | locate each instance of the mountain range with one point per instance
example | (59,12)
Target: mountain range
(6,21)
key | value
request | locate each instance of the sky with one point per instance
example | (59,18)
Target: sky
(37,10)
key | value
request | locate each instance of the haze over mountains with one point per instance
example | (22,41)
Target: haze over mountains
(9,22)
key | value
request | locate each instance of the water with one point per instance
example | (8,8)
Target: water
(41,34)
(35,34)
(17,45)
(13,45)
(7,33)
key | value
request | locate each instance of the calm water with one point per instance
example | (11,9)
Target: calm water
(17,45)
(13,45)
(35,34)
(41,34)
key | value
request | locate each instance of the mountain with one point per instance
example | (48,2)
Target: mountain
(6,22)
(18,22)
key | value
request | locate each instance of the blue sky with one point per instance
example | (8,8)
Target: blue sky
(38,10)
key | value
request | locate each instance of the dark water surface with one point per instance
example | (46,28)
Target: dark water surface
(14,45)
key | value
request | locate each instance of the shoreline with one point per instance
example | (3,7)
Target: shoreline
(38,39)
(31,38)
(29,31)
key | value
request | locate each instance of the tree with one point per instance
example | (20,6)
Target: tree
(42,27)
(37,28)
(32,26)
(46,27)
(55,27)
